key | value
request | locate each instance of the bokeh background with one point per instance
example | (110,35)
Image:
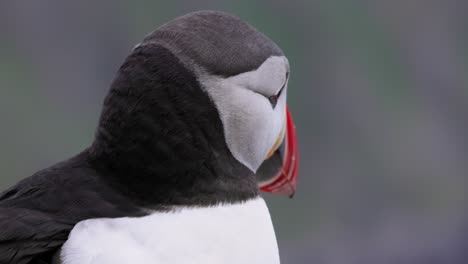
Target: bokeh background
(379,91)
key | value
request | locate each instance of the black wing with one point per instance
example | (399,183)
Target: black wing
(38,213)
(29,235)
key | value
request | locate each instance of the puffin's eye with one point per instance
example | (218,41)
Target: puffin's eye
(274,98)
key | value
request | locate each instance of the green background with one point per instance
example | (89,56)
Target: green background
(378,89)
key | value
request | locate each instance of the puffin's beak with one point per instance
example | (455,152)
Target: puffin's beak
(278,174)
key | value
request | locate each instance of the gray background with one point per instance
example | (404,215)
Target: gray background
(379,91)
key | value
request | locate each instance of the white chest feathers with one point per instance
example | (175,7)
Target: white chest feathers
(228,234)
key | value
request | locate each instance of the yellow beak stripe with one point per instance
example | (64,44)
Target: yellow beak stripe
(277,142)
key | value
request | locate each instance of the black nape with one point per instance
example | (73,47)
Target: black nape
(160,140)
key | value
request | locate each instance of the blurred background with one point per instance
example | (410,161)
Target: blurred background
(379,91)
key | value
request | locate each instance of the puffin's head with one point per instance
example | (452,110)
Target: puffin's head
(203,78)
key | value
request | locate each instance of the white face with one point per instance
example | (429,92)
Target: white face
(251,124)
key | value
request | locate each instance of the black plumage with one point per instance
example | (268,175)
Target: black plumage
(160,139)
(159,143)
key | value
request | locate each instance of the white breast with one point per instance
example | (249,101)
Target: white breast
(228,234)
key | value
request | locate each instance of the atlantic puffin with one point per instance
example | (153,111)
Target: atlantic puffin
(194,125)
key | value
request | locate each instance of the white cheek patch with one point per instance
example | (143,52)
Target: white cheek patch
(251,125)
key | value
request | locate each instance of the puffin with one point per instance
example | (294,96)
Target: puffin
(194,126)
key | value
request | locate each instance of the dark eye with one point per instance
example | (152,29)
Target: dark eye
(274,98)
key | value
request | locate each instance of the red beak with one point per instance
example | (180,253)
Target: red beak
(284,181)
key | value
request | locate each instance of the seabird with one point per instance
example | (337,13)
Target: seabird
(194,125)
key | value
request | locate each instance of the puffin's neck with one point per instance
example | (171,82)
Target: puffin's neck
(160,140)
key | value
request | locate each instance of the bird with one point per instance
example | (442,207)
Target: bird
(194,126)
